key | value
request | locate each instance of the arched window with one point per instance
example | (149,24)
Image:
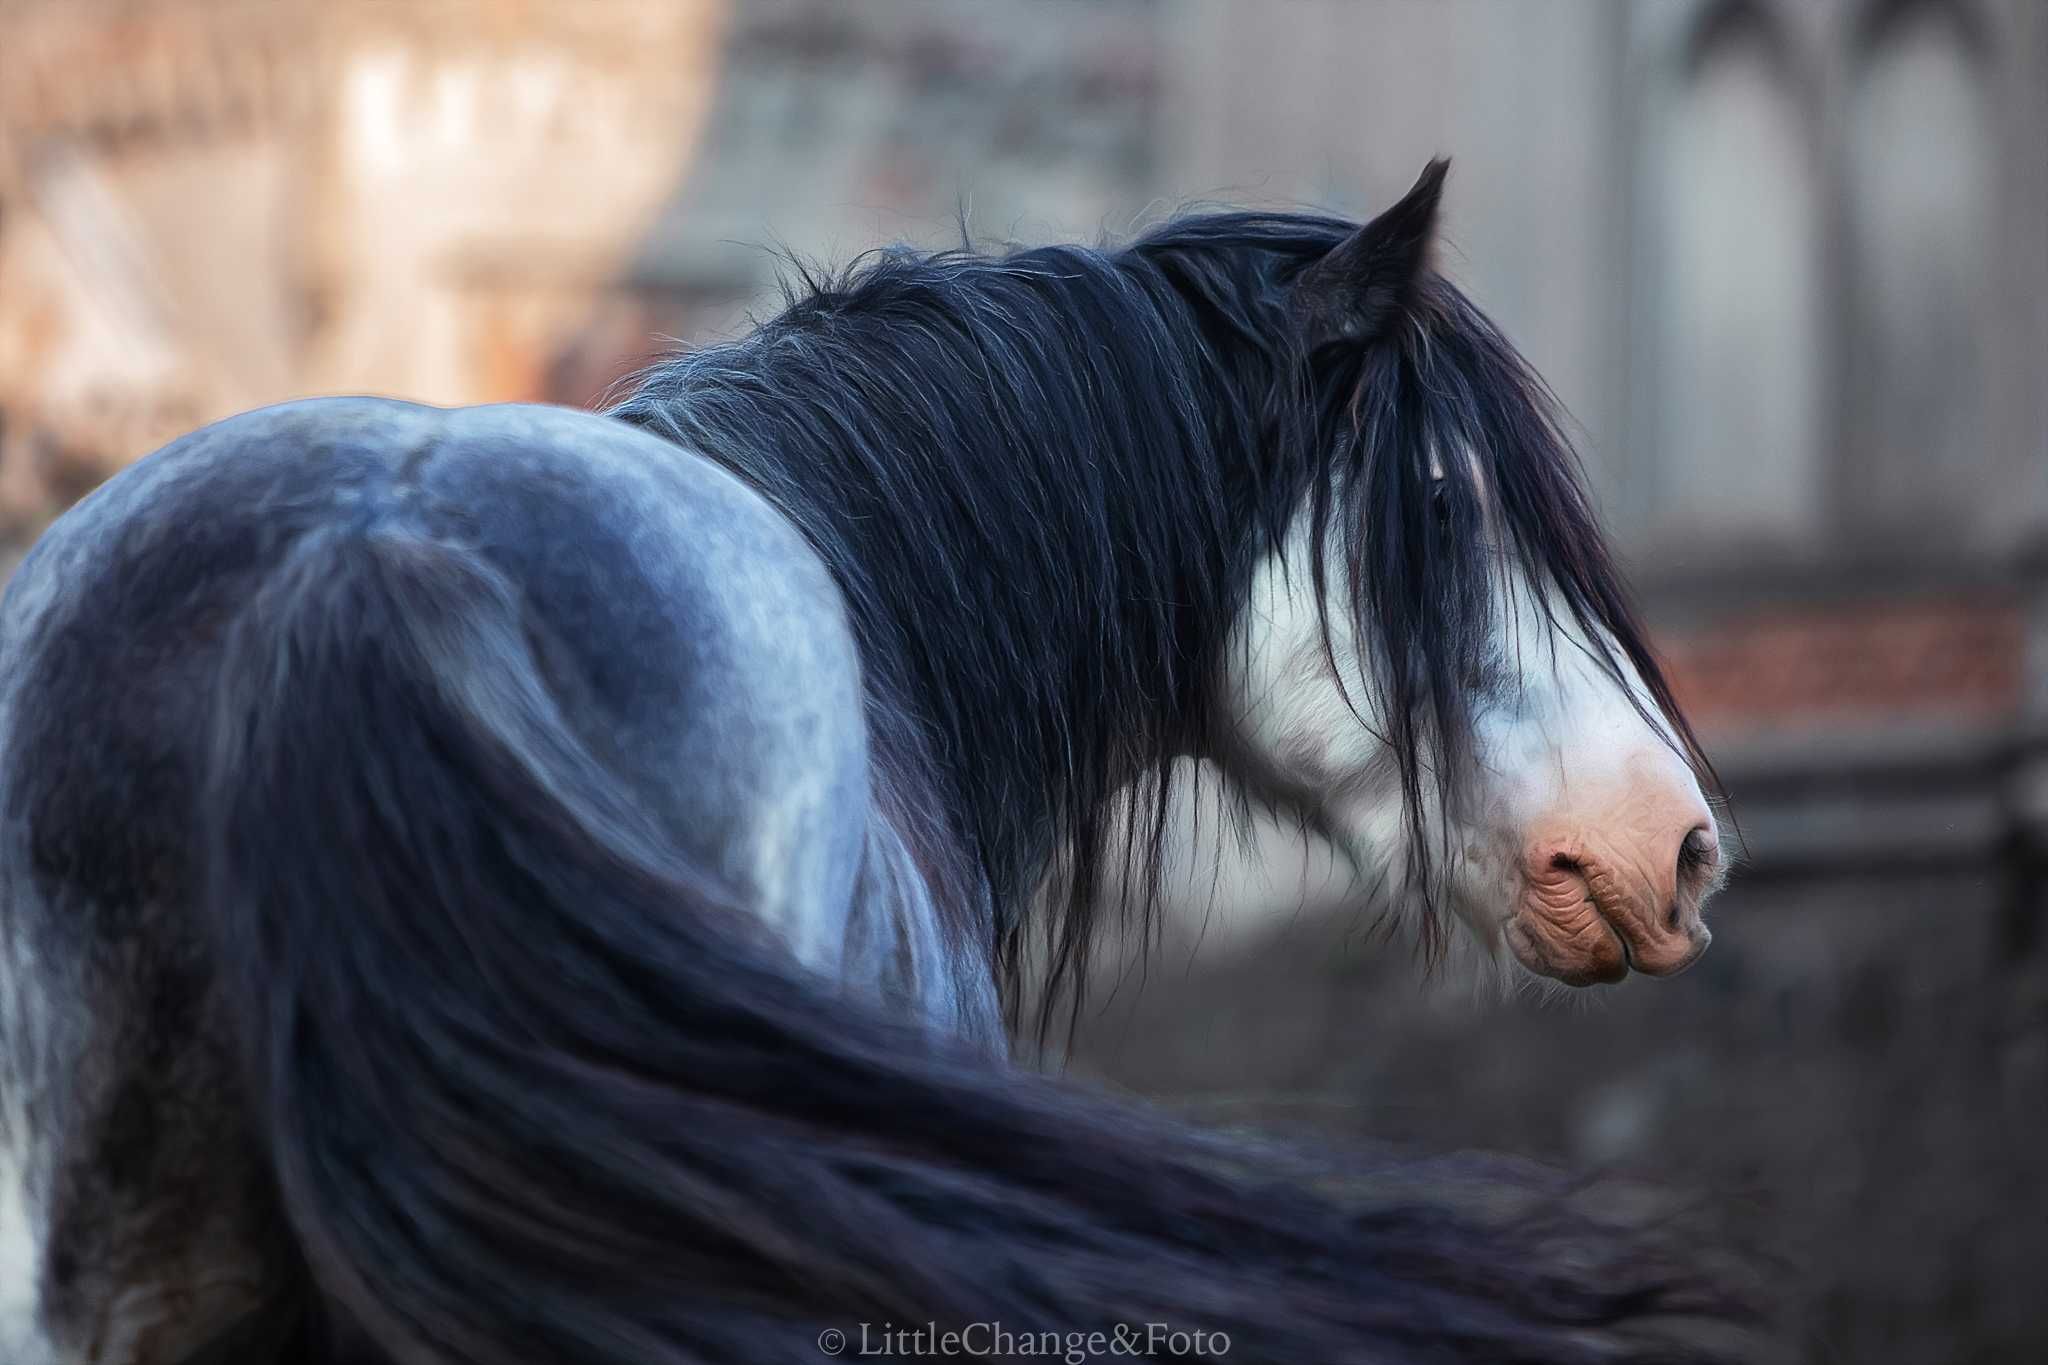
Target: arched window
(1733,293)
(1919,186)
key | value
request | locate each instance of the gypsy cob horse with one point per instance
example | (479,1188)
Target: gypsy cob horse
(516,885)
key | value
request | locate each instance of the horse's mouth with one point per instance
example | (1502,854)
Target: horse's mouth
(1571,925)
(1592,955)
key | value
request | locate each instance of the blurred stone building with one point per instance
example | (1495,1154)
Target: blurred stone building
(206,205)
(1786,262)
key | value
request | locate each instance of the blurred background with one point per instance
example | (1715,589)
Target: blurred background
(1786,261)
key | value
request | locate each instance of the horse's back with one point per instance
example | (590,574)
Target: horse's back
(684,624)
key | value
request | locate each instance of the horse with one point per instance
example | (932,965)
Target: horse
(515,885)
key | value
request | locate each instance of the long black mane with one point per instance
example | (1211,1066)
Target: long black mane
(1044,478)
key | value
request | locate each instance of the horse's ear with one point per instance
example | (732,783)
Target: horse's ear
(1356,289)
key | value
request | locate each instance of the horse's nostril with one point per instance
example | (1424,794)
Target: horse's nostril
(1697,853)
(1673,915)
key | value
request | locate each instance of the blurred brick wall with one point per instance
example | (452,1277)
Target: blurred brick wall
(1863,659)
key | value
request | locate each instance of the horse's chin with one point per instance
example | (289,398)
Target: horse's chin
(1576,948)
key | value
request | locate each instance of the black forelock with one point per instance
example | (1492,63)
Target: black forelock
(1043,480)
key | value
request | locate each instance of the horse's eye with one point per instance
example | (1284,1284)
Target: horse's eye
(1440,510)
